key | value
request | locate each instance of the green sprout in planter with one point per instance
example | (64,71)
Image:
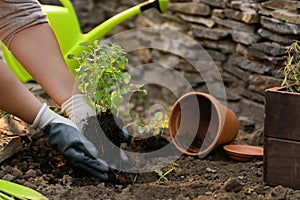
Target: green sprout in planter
(102,75)
(163,175)
(291,69)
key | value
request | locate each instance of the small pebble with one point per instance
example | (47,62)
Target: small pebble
(30,185)
(67,180)
(2,173)
(6,169)
(279,192)
(211,170)
(16,172)
(8,177)
(232,185)
(30,173)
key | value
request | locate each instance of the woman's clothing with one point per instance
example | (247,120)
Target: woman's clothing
(16,15)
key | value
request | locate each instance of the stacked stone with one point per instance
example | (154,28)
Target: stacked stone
(248,39)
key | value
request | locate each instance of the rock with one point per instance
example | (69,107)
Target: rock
(278,192)
(284,39)
(232,185)
(228,13)
(248,16)
(232,96)
(252,110)
(256,139)
(293,194)
(16,172)
(67,180)
(6,169)
(253,54)
(8,177)
(213,34)
(30,185)
(253,96)
(289,5)
(151,19)
(270,48)
(217,55)
(283,15)
(30,174)
(221,45)
(236,71)
(234,24)
(210,170)
(280,26)
(191,8)
(194,79)
(197,19)
(216,3)
(247,125)
(2,173)
(260,83)
(244,37)
(249,65)
(244,5)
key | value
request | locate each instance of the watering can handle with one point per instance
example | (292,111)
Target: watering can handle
(98,32)
(160,5)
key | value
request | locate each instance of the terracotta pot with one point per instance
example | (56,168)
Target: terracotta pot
(199,123)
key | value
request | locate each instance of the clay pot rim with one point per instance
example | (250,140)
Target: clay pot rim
(281,89)
(220,125)
(243,152)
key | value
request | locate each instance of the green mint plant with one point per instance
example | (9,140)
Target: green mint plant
(291,69)
(102,76)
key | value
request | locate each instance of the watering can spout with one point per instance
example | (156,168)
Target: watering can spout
(160,5)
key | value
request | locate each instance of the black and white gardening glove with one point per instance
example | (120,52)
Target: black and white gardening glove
(107,142)
(78,110)
(65,137)
(105,134)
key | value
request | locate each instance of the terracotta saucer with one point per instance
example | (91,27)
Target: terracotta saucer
(243,152)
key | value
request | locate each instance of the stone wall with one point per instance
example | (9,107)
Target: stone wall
(247,40)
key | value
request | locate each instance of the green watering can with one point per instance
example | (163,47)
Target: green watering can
(64,21)
(11,191)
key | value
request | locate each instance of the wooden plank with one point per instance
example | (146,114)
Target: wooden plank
(9,146)
(281,162)
(11,130)
(282,114)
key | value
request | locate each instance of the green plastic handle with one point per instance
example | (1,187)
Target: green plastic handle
(163,5)
(98,33)
(9,190)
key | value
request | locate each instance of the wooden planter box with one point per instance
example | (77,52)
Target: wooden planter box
(282,138)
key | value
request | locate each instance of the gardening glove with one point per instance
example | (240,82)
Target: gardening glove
(65,137)
(78,110)
(105,134)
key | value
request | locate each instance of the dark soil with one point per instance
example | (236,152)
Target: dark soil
(41,168)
